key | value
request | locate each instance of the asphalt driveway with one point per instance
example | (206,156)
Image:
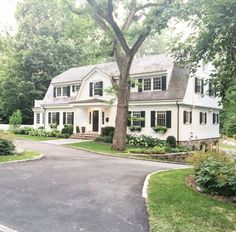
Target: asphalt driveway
(72,190)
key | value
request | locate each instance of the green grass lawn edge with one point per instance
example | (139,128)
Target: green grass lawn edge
(35,138)
(105,149)
(26,155)
(173,206)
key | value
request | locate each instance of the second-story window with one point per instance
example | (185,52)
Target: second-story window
(187,117)
(157,85)
(58,91)
(203,118)
(147,84)
(64,91)
(199,86)
(96,88)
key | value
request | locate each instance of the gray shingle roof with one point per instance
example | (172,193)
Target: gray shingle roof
(147,64)
(155,63)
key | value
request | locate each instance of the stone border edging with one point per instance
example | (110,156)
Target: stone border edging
(41,156)
(146,181)
(122,156)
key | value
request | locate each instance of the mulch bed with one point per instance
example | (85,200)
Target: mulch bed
(190,181)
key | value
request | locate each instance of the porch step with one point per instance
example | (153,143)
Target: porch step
(86,136)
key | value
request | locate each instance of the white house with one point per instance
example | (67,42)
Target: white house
(161,95)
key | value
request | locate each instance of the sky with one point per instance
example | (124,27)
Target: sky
(7,9)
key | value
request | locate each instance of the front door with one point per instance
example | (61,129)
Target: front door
(95,120)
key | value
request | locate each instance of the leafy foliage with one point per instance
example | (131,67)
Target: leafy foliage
(143,141)
(68,129)
(171,141)
(6,147)
(15,119)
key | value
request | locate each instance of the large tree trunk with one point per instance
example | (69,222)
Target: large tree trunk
(122,106)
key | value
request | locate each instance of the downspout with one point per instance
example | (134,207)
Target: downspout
(177,103)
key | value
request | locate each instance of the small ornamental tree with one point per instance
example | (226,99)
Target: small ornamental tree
(15,120)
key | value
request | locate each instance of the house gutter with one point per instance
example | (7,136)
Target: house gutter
(177,103)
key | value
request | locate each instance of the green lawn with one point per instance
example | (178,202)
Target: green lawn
(24,156)
(95,146)
(173,207)
(35,138)
(225,146)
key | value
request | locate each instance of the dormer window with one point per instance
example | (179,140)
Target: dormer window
(64,91)
(58,91)
(96,88)
(150,84)
(199,86)
(75,88)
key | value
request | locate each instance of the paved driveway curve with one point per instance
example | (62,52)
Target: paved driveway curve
(72,190)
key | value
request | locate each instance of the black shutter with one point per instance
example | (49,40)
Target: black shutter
(101,88)
(153,118)
(54,91)
(202,85)
(143,118)
(64,118)
(190,116)
(200,118)
(213,118)
(163,81)
(103,117)
(91,89)
(168,119)
(140,85)
(217,118)
(68,91)
(49,118)
(132,83)
(196,84)
(72,118)
(185,117)
(129,119)
(90,117)
(73,88)
(57,118)
(205,117)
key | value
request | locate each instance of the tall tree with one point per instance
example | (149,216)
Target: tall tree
(213,38)
(127,36)
(49,40)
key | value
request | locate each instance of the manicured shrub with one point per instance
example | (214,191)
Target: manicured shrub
(15,120)
(65,136)
(68,129)
(6,147)
(171,141)
(215,173)
(143,141)
(108,131)
(106,139)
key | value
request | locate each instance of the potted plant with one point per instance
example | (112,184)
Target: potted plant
(160,129)
(83,129)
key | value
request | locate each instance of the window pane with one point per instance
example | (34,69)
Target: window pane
(64,91)
(161,118)
(54,118)
(157,83)
(77,87)
(136,119)
(146,84)
(59,91)
(69,118)
(38,118)
(97,88)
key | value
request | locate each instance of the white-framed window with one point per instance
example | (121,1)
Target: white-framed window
(215,118)
(147,84)
(187,117)
(54,118)
(64,93)
(157,83)
(199,85)
(77,87)
(161,118)
(136,118)
(97,89)
(69,118)
(203,118)
(38,118)
(58,91)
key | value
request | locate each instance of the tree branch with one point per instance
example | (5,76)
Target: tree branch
(131,15)
(116,29)
(140,40)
